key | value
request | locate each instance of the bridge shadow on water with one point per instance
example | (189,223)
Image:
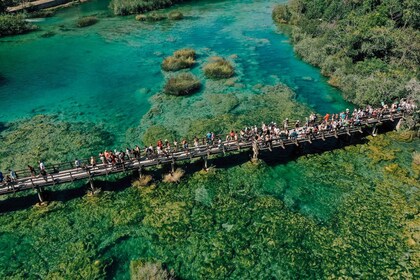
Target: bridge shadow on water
(271,158)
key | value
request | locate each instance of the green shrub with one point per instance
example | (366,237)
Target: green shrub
(368,51)
(175,15)
(86,21)
(220,68)
(127,7)
(181,59)
(182,84)
(281,13)
(14,24)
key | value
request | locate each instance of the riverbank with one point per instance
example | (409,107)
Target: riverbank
(370,51)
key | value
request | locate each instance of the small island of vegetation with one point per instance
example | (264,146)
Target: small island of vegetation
(218,68)
(181,59)
(182,84)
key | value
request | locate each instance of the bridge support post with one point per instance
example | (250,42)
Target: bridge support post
(255,150)
(140,171)
(40,194)
(173,166)
(205,163)
(92,187)
(374,130)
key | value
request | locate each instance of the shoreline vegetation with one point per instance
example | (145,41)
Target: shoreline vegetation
(14,25)
(368,49)
(130,7)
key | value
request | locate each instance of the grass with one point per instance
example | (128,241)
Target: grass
(86,21)
(182,84)
(219,68)
(181,59)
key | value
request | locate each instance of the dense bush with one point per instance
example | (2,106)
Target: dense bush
(281,13)
(182,84)
(219,68)
(181,59)
(175,15)
(369,49)
(127,7)
(86,21)
(14,24)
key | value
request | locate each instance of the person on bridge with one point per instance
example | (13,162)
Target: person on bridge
(1,177)
(32,171)
(77,163)
(92,161)
(41,166)
(13,175)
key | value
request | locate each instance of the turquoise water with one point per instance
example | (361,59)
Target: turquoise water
(316,217)
(106,73)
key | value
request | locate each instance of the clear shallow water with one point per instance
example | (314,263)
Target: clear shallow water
(107,72)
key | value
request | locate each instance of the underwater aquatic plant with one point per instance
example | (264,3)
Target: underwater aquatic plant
(50,139)
(86,21)
(175,15)
(182,84)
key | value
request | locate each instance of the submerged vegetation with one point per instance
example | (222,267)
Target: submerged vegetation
(219,68)
(87,21)
(175,15)
(246,222)
(153,16)
(127,7)
(182,84)
(14,24)
(369,49)
(181,59)
(49,139)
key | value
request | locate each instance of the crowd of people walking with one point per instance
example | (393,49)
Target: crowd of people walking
(263,135)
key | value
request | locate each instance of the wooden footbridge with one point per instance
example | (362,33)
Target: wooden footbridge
(67,172)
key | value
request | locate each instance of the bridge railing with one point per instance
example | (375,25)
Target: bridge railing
(52,169)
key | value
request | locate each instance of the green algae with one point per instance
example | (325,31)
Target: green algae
(332,215)
(49,139)
(218,112)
